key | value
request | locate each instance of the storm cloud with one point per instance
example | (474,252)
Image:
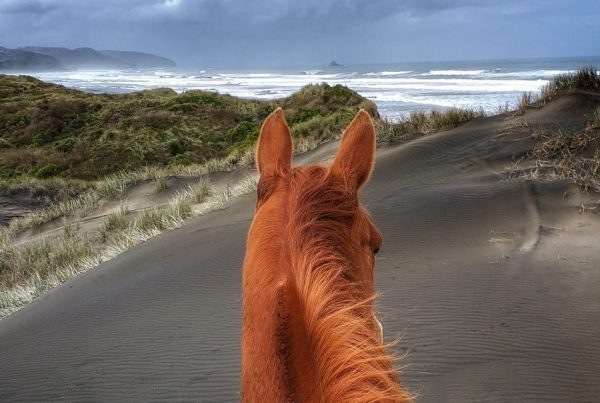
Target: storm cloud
(277,32)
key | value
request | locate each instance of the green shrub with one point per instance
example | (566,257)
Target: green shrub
(47,170)
(184,107)
(40,139)
(182,159)
(95,135)
(304,114)
(202,98)
(65,145)
(4,143)
(324,127)
(246,132)
(175,147)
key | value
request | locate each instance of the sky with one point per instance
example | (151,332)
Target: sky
(278,33)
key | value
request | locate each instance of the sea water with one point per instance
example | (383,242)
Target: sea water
(396,88)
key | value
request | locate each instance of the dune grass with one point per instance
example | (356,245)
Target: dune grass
(115,221)
(585,79)
(116,186)
(594,123)
(572,156)
(422,122)
(28,270)
(43,191)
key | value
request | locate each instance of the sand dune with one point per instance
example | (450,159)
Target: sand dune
(492,284)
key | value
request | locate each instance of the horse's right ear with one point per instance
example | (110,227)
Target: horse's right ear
(274,152)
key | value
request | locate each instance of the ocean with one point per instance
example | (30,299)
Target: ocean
(396,88)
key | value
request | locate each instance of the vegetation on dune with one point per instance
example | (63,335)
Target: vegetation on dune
(77,150)
(45,191)
(421,122)
(595,122)
(97,147)
(47,130)
(28,270)
(585,79)
(115,187)
(573,156)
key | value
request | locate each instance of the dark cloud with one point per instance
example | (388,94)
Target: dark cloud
(255,11)
(267,32)
(27,6)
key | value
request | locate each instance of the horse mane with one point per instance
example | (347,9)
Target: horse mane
(350,362)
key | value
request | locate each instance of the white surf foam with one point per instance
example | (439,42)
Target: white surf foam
(454,72)
(388,73)
(392,90)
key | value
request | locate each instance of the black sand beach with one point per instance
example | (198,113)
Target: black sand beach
(491,283)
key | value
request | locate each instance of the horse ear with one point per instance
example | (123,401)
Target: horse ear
(274,152)
(355,158)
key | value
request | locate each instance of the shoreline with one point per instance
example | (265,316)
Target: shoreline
(396,88)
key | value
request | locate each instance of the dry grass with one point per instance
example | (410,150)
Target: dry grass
(421,122)
(50,189)
(586,79)
(594,124)
(115,221)
(573,156)
(526,100)
(116,186)
(199,191)
(27,271)
(161,184)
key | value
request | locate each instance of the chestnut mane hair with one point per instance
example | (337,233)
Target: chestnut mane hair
(310,334)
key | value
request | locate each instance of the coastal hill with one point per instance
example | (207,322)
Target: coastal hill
(57,58)
(49,130)
(17,59)
(139,59)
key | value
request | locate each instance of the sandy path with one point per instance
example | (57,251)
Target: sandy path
(493,285)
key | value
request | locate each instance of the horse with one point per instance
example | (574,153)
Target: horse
(309,329)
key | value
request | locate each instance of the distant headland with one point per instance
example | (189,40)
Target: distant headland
(37,58)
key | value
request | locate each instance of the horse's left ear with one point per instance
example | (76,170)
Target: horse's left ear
(274,152)
(355,158)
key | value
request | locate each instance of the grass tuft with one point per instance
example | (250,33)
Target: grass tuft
(115,221)
(199,191)
(161,183)
(573,156)
(28,270)
(594,124)
(586,79)
(422,122)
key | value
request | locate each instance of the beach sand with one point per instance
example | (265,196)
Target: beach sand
(491,283)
